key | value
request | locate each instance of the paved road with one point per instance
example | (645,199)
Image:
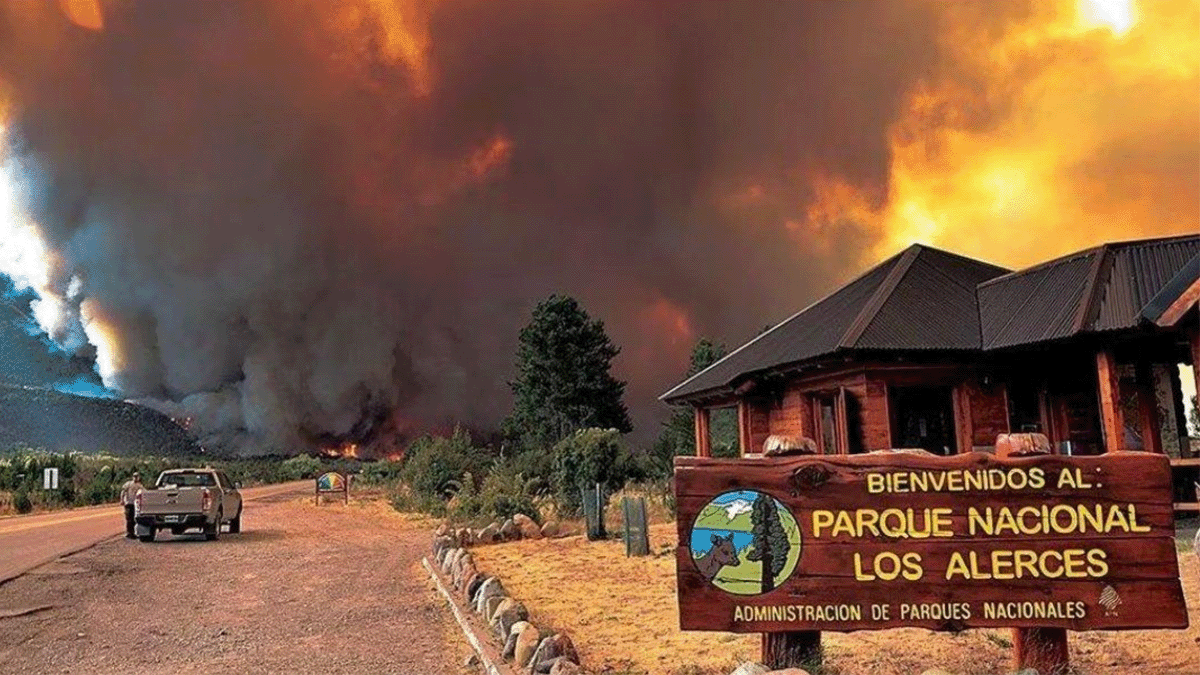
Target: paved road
(29,541)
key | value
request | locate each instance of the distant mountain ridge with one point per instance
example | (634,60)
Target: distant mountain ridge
(57,422)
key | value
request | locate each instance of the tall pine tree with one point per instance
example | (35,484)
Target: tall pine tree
(678,436)
(563,382)
(770,543)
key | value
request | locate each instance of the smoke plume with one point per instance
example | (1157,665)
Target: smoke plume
(309,223)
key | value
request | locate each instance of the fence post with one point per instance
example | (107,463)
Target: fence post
(593,512)
(637,539)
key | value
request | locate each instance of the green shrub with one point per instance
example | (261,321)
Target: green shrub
(435,466)
(582,460)
(503,492)
(300,467)
(22,503)
(382,472)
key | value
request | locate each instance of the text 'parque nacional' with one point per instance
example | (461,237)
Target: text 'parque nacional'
(891,539)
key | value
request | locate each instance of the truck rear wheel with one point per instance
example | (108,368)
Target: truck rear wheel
(235,525)
(148,537)
(212,532)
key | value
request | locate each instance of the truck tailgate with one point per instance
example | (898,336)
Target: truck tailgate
(171,500)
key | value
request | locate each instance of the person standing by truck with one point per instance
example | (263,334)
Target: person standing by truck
(128,494)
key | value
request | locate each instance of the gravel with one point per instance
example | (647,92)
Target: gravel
(333,589)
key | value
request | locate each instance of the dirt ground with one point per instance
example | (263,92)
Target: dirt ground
(334,589)
(622,614)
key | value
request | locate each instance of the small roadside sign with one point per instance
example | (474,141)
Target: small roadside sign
(50,478)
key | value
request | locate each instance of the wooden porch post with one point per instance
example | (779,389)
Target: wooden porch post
(703,445)
(1196,356)
(1110,402)
(1148,408)
(743,418)
(964,432)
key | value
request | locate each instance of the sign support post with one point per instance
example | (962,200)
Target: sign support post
(792,649)
(1043,649)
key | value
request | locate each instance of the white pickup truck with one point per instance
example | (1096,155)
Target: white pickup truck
(188,499)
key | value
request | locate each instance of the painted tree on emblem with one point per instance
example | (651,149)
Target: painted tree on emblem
(770,543)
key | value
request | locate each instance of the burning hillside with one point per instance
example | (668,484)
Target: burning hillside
(297,221)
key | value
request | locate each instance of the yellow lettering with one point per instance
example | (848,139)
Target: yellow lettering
(1066,478)
(875,483)
(821,519)
(859,574)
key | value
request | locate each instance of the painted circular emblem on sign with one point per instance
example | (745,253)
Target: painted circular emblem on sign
(745,542)
(331,482)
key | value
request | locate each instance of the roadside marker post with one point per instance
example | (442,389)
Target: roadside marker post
(50,478)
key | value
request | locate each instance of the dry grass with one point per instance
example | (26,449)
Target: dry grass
(622,614)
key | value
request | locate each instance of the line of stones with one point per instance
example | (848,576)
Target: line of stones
(528,649)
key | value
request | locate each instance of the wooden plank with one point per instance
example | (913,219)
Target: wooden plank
(964,435)
(1196,356)
(841,418)
(1148,408)
(703,438)
(871,552)
(745,445)
(1186,300)
(1110,397)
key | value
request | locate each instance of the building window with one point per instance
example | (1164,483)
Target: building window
(923,417)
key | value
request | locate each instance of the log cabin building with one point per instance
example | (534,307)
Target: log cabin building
(938,351)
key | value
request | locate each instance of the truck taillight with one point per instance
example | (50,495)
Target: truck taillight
(205,500)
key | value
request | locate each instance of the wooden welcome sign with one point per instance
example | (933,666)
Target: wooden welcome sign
(863,542)
(333,482)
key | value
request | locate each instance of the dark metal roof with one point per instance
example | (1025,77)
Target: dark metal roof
(1033,305)
(922,298)
(925,299)
(1170,292)
(1138,274)
(1104,288)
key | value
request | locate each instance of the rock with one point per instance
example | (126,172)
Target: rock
(558,645)
(1022,445)
(473,588)
(464,536)
(490,605)
(510,647)
(489,534)
(490,588)
(528,642)
(789,671)
(528,528)
(509,531)
(564,666)
(751,668)
(441,530)
(550,529)
(1027,671)
(780,445)
(507,614)
(471,661)
(464,575)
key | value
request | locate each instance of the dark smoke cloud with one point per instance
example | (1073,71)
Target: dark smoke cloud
(291,239)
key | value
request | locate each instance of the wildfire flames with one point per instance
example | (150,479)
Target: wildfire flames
(295,221)
(345,451)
